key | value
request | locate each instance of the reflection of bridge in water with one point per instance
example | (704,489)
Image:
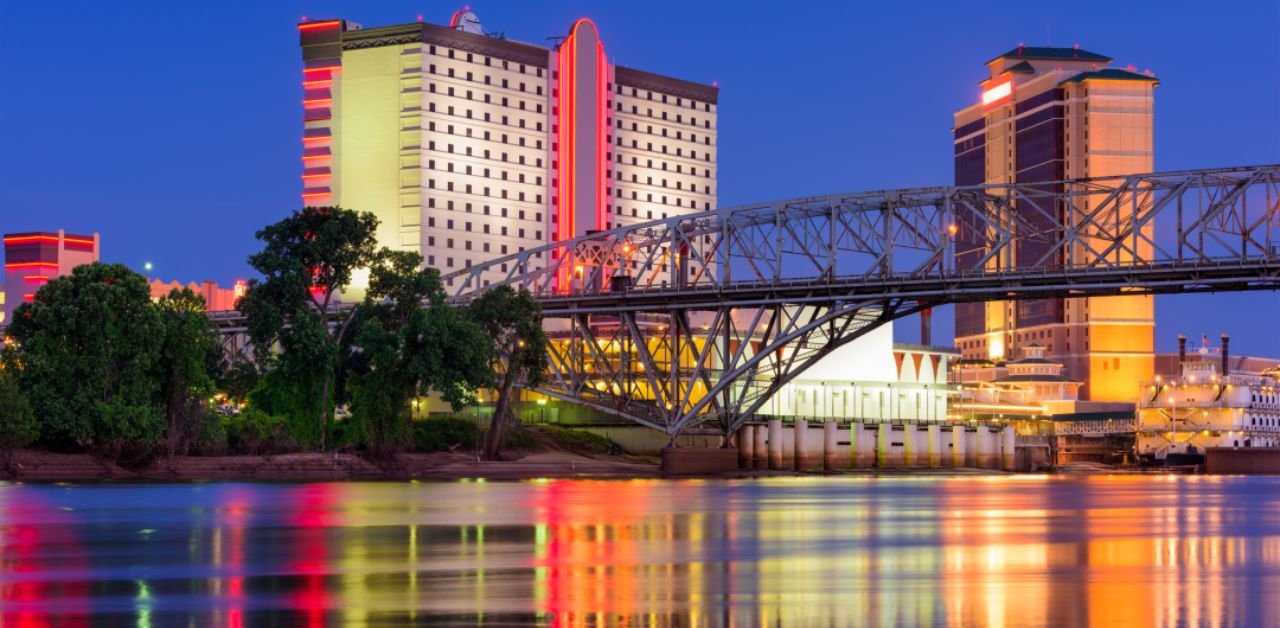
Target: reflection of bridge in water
(699,319)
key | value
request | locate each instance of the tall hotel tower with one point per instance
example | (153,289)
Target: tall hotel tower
(1045,115)
(469,146)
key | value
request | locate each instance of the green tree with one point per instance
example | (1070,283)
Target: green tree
(18,425)
(305,261)
(402,349)
(87,348)
(513,323)
(189,346)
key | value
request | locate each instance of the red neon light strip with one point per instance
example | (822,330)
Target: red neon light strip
(317,83)
(317,103)
(323,68)
(70,240)
(315,194)
(17,265)
(36,278)
(316,176)
(29,239)
(313,25)
(602,107)
(312,157)
(28,297)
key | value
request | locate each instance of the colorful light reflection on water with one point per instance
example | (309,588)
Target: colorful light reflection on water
(958,551)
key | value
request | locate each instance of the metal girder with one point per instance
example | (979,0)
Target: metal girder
(700,318)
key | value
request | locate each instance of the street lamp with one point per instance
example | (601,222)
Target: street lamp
(542,410)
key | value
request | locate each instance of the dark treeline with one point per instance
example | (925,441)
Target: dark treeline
(93,364)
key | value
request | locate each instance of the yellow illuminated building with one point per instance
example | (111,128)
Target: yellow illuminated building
(469,146)
(1048,115)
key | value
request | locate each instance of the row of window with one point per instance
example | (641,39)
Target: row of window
(485,173)
(706,123)
(488,61)
(505,84)
(706,189)
(679,102)
(706,172)
(485,154)
(693,137)
(486,192)
(503,211)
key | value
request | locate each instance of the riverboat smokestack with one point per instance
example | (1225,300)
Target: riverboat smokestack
(1182,350)
(1225,370)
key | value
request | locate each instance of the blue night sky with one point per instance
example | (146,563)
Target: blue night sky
(173,127)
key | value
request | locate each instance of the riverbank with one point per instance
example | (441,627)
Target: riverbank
(40,466)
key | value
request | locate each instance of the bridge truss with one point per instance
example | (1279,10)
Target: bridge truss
(698,319)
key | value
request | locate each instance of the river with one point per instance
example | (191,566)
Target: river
(944,551)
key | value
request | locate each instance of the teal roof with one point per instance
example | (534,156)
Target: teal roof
(1045,52)
(1021,67)
(1110,74)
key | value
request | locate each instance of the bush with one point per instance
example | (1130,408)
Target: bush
(517,437)
(255,432)
(445,434)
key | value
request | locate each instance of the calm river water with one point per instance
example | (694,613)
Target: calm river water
(959,551)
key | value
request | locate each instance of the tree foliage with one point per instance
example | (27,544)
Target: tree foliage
(512,321)
(87,349)
(18,426)
(305,261)
(188,349)
(402,349)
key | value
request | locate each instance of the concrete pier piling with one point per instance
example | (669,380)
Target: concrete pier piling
(883,433)
(909,446)
(746,446)
(861,447)
(800,433)
(830,438)
(957,446)
(1008,449)
(775,444)
(760,450)
(935,446)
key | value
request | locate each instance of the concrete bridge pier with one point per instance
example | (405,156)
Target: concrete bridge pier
(800,434)
(1008,449)
(883,434)
(861,447)
(746,446)
(909,445)
(830,436)
(760,449)
(957,446)
(775,444)
(935,446)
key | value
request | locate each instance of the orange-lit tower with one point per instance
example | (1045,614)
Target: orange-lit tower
(1045,115)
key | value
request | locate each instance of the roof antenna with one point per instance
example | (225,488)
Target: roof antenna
(1075,51)
(1020,49)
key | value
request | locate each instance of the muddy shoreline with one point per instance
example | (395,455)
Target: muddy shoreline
(40,466)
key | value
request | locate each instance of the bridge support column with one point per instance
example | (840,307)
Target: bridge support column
(830,436)
(1008,449)
(800,432)
(760,450)
(861,446)
(882,444)
(957,446)
(986,457)
(775,443)
(909,445)
(935,445)
(746,445)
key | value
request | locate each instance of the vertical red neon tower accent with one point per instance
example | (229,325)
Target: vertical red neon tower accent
(582,126)
(318,76)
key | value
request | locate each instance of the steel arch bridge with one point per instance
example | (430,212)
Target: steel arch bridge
(698,319)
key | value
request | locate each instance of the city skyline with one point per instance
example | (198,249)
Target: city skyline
(238,106)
